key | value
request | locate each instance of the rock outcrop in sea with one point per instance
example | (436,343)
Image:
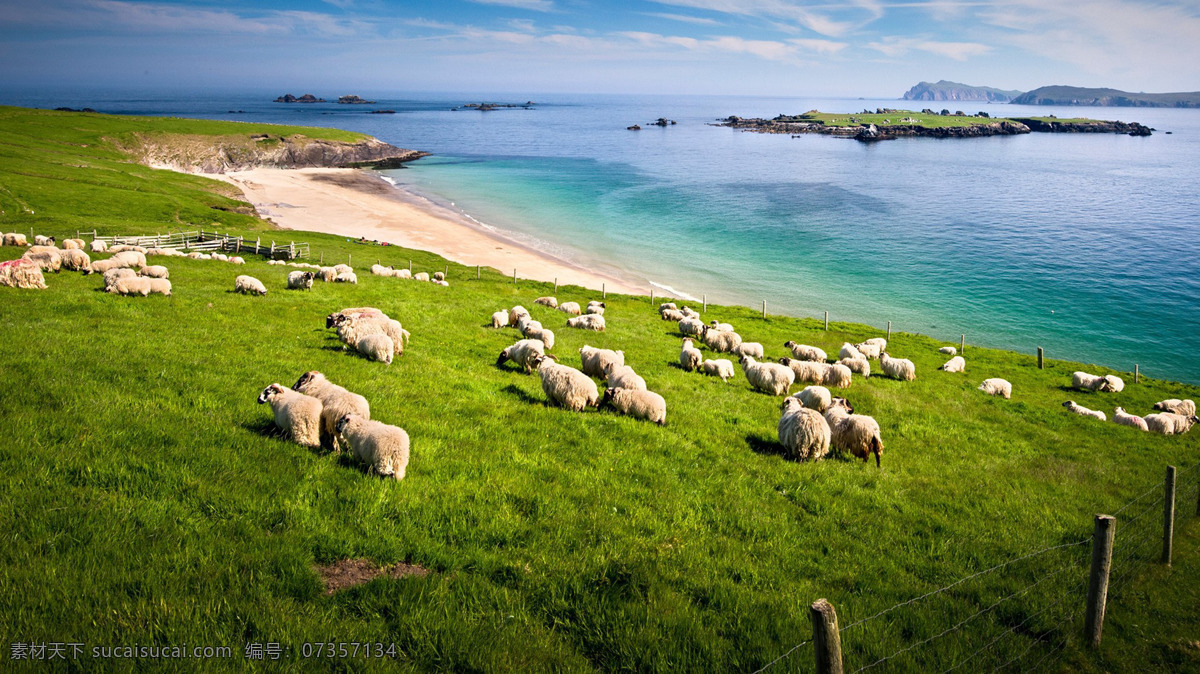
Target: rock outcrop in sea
(306,98)
(221,154)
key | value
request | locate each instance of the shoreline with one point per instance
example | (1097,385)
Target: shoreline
(357,203)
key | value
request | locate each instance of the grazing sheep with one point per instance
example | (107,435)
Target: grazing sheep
(1125,419)
(296,414)
(47,257)
(837,375)
(803,432)
(716,325)
(815,397)
(689,312)
(355,328)
(111,276)
(639,403)
(857,365)
(753,349)
(98,246)
(249,285)
(848,351)
(527,323)
(346,277)
(195,256)
(335,319)
(667,306)
(877,341)
(15,239)
(805,352)
(515,314)
(342,269)
(382,447)
(544,334)
(237,259)
(377,346)
(595,307)
(403,273)
(547,301)
(955,364)
(74,244)
(220,257)
(806,370)
(593,322)
(950,350)
(624,377)
(421,276)
(1089,382)
(719,367)
(1079,409)
(996,387)
(566,386)
(597,362)
(689,355)
(1185,407)
(327,274)
(771,378)
(868,349)
(1115,383)
(130,285)
(159,285)
(380,270)
(75,259)
(691,326)
(439,276)
(671,315)
(854,433)
(897,368)
(131,258)
(335,402)
(22,274)
(1169,423)
(40,240)
(155,271)
(300,280)
(500,319)
(570,308)
(524,353)
(724,341)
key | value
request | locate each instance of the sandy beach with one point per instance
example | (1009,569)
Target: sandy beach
(355,203)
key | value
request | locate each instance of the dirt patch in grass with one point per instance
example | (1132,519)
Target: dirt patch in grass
(346,573)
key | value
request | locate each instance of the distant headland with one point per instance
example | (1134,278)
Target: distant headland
(1053,95)
(945,90)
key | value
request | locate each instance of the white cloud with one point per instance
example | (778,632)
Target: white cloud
(820,46)
(788,15)
(700,21)
(893,46)
(534,5)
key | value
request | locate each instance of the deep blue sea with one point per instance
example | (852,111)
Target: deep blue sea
(1087,245)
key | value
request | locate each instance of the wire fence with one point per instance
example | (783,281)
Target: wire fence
(209,241)
(1021,615)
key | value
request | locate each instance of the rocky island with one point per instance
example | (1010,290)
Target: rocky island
(487,107)
(306,98)
(351,99)
(886,124)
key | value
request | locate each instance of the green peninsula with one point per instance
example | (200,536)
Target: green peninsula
(887,123)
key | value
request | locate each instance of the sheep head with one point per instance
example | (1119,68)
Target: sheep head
(344,421)
(269,392)
(306,379)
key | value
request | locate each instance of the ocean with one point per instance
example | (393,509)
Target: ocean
(1085,244)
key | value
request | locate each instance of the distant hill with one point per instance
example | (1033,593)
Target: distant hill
(1060,95)
(955,91)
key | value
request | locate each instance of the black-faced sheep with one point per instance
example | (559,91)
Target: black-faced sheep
(996,387)
(296,414)
(1075,407)
(803,432)
(524,353)
(897,368)
(335,402)
(598,362)
(1126,419)
(771,378)
(567,387)
(854,433)
(249,285)
(384,448)
(639,404)
(593,322)
(300,280)
(805,352)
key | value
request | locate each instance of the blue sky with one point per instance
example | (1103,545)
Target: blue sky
(785,47)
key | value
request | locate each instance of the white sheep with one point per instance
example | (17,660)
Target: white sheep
(15,239)
(717,325)
(135,285)
(220,257)
(566,386)
(237,259)
(597,362)
(771,378)
(515,314)
(346,277)
(160,285)
(500,319)
(547,301)
(384,448)
(719,367)
(296,414)
(753,349)
(624,377)
(342,269)
(300,280)
(667,306)
(1185,407)
(355,328)
(689,312)
(1126,419)
(1089,382)
(528,323)
(806,370)
(837,375)
(326,274)
(439,277)
(949,350)
(48,258)
(544,334)
(595,307)
(421,276)
(40,240)
(249,285)
(877,341)
(524,353)
(857,365)
(1169,423)
(803,432)
(637,403)
(855,433)
(131,258)
(996,387)
(335,402)
(570,308)
(815,397)
(380,270)
(805,352)
(1075,407)
(335,319)
(593,322)
(23,274)
(671,315)
(403,273)
(98,246)
(955,364)
(724,341)
(378,347)
(111,276)
(75,259)
(897,368)
(848,351)
(689,356)
(691,326)
(869,349)
(1115,383)
(155,271)
(74,244)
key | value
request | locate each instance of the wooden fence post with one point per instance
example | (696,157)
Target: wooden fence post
(514,274)
(556,284)
(826,321)
(1136,374)
(827,641)
(764,308)
(447,271)
(1168,515)
(603,291)
(704,301)
(962,345)
(477,268)
(1102,545)
(322,256)
(889,337)
(1041,362)
(348,256)
(652,296)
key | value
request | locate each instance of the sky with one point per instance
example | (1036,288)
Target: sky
(835,48)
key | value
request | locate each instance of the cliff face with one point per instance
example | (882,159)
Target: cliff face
(1061,95)
(219,154)
(954,91)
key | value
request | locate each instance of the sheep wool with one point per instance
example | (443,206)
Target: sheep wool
(155,271)
(772,378)
(421,276)
(1089,382)
(689,356)
(1124,418)
(131,258)
(805,352)
(624,377)
(40,240)
(22,274)
(335,319)
(1185,407)
(716,325)
(98,246)
(547,301)
(567,387)
(342,269)
(877,341)
(1114,383)
(724,341)
(598,362)
(691,326)
(384,448)
(300,280)
(346,277)
(805,370)
(689,312)
(336,402)
(671,315)
(868,349)
(815,397)
(857,365)
(855,433)
(15,239)
(130,285)
(640,404)
(47,257)
(75,259)
(720,367)
(594,322)
(667,306)
(752,349)
(955,364)
(949,350)
(1075,407)
(378,347)
(296,414)
(803,432)
(500,319)
(996,387)
(237,259)
(111,276)
(897,368)
(544,334)
(249,285)
(74,244)
(595,308)
(848,351)
(1169,423)
(159,285)
(327,274)
(524,353)
(355,328)
(570,308)
(837,375)
(515,314)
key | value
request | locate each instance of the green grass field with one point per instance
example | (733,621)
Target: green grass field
(147,498)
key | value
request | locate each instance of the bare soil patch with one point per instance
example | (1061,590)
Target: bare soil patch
(346,573)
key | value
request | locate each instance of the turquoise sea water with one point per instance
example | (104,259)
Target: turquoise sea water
(1087,245)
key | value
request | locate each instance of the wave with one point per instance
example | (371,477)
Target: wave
(674,293)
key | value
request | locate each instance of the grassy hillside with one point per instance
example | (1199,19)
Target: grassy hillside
(1063,95)
(148,499)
